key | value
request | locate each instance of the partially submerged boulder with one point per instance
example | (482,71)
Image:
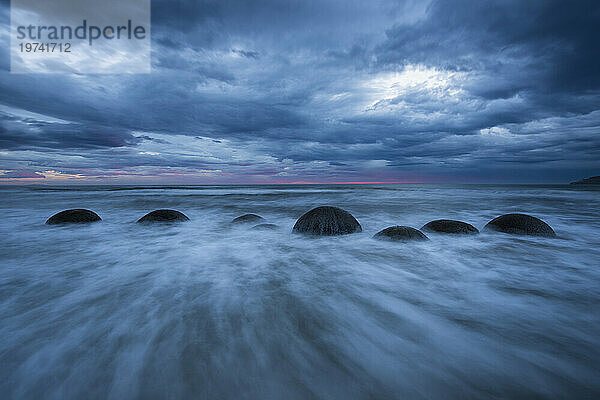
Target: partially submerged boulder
(400,233)
(265,227)
(74,216)
(327,221)
(450,226)
(520,224)
(247,218)
(164,216)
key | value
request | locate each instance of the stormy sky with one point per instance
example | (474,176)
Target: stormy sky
(322,91)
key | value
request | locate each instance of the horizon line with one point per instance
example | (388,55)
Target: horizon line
(4,183)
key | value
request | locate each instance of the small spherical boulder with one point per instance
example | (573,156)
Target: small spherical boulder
(450,226)
(520,224)
(400,233)
(247,218)
(327,221)
(75,216)
(164,216)
(265,227)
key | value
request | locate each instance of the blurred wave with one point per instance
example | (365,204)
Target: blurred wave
(206,310)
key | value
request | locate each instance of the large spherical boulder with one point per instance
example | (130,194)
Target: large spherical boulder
(247,218)
(164,216)
(265,227)
(327,221)
(520,224)
(75,216)
(450,226)
(400,233)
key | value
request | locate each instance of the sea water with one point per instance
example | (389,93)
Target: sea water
(204,309)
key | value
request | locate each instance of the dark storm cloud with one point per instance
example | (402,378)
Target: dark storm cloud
(546,46)
(30,134)
(306,88)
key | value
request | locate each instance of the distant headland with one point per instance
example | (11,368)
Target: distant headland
(594,180)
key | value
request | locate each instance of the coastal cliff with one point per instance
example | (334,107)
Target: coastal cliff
(594,180)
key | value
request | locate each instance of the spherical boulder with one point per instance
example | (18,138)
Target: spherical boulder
(520,224)
(75,216)
(247,218)
(400,233)
(450,226)
(265,227)
(164,216)
(327,221)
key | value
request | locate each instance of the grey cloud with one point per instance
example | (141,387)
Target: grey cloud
(285,85)
(21,174)
(28,133)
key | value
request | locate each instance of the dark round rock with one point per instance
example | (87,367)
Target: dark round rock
(327,221)
(247,218)
(450,226)
(164,216)
(75,216)
(265,227)
(400,233)
(520,224)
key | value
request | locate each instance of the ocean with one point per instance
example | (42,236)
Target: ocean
(204,309)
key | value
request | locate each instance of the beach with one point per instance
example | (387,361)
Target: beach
(207,309)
